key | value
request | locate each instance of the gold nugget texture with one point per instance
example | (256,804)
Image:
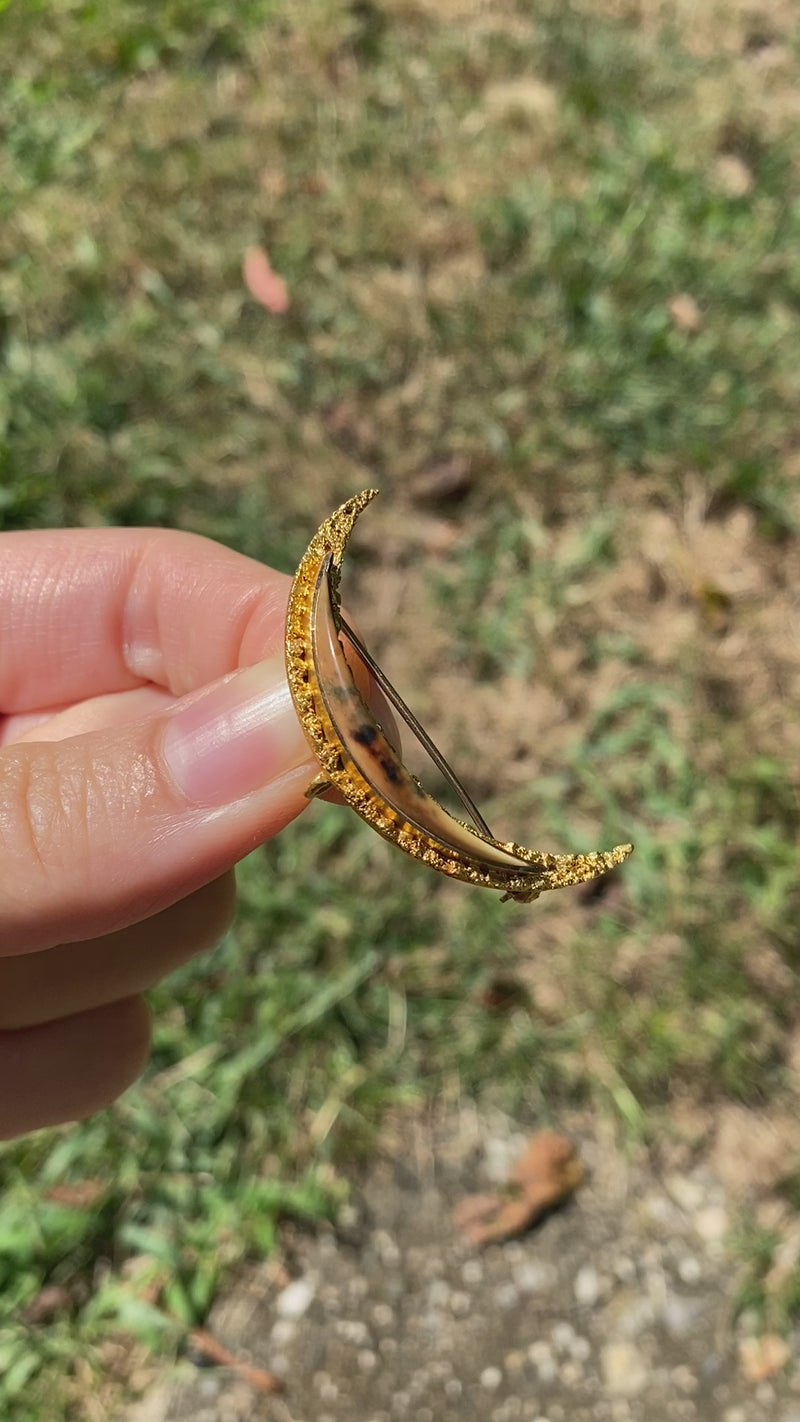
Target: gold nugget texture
(358,759)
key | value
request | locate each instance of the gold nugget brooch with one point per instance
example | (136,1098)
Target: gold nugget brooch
(358,759)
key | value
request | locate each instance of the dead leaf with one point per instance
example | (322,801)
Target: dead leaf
(49,1301)
(263,283)
(80,1195)
(503,993)
(761,1358)
(448,480)
(731,175)
(213,1351)
(714,603)
(273,182)
(546,1174)
(526,96)
(755,1151)
(685,312)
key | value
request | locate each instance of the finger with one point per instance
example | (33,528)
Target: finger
(102,830)
(91,715)
(75,977)
(69,1069)
(85,612)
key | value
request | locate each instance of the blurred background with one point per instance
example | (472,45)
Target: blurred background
(542,287)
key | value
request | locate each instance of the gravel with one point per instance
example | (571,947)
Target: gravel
(618,1308)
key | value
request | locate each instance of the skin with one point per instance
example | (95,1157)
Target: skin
(121,815)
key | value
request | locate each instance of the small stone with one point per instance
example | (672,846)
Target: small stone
(625,1270)
(295,1299)
(680,1315)
(686,1193)
(282,1332)
(330,1298)
(508,1411)
(500,1155)
(633,1313)
(541,1355)
(506,1296)
(382,1315)
(210,1387)
(624,1368)
(586,1287)
(562,1335)
(460,1303)
(441,1368)
(658,1209)
(453,1389)
(420,1382)
(491,1379)
(367,1360)
(352,1330)
(712,1224)
(531,1278)
(472,1272)
(514,1362)
(683,1378)
(580,1349)
(386,1248)
(689,1269)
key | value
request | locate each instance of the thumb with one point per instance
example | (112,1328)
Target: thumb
(104,829)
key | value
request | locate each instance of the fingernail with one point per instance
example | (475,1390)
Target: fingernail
(236,737)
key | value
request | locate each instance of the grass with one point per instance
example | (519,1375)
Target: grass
(554,251)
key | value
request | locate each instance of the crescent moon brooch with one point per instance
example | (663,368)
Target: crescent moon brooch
(358,759)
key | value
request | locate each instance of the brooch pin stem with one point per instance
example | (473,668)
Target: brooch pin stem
(358,759)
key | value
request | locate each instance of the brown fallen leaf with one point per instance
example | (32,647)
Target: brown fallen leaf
(51,1300)
(714,603)
(546,1174)
(78,1194)
(447,481)
(761,1358)
(685,312)
(731,176)
(263,283)
(210,1348)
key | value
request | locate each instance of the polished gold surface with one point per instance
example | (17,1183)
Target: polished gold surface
(358,759)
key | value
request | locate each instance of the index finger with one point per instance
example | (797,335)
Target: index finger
(85,612)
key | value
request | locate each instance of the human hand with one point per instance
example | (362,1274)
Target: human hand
(147,742)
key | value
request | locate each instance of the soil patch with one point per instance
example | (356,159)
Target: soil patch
(620,1306)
